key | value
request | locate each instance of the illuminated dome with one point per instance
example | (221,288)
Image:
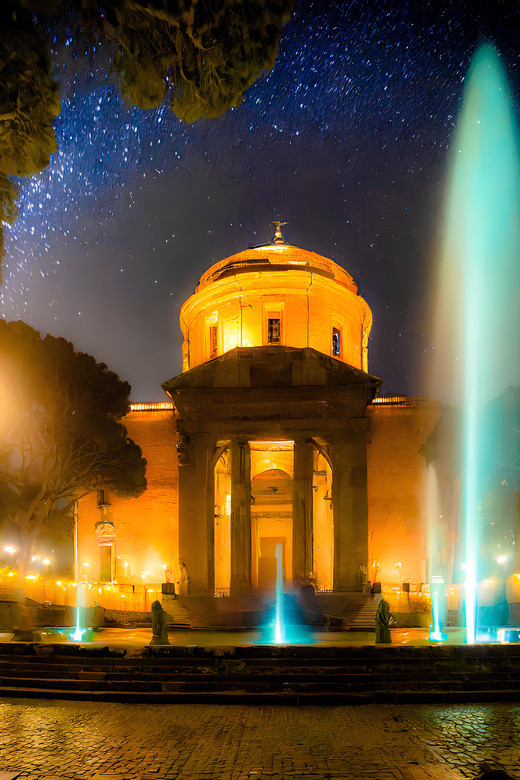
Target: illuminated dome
(278,295)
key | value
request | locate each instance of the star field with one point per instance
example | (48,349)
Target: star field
(346,139)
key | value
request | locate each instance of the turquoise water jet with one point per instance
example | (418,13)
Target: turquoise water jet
(77,634)
(279,616)
(286,628)
(478,306)
(436,542)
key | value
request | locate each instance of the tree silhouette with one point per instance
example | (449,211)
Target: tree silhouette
(60,431)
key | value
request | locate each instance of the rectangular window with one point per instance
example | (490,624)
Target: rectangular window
(213,342)
(274,329)
(336,342)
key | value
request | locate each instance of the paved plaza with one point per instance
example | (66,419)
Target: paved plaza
(51,740)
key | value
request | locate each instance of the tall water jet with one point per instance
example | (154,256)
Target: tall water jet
(436,542)
(77,634)
(286,626)
(279,616)
(478,308)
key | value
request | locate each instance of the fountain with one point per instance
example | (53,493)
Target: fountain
(478,309)
(286,627)
(435,543)
(279,616)
(77,634)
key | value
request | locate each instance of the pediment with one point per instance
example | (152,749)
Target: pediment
(268,366)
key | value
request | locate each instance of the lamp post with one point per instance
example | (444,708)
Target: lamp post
(46,562)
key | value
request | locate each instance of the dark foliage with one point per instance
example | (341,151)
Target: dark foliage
(206,54)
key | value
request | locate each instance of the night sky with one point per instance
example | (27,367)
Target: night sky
(346,140)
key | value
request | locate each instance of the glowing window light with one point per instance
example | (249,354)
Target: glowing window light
(152,406)
(393,399)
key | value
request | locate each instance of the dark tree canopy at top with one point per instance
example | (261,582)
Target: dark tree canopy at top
(204,55)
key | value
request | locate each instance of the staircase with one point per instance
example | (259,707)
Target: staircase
(291,675)
(179,616)
(365,620)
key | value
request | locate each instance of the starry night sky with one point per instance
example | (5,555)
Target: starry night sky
(346,139)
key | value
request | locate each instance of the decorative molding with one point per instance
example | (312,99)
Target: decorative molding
(105,530)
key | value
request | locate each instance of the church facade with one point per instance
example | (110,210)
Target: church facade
(274,434)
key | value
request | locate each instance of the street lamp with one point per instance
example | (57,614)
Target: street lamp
(46,562)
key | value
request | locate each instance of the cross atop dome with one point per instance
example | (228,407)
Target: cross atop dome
(278,238)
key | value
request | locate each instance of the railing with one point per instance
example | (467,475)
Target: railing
(152,406)
(392,399)
(116,596)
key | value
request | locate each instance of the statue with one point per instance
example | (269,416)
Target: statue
(383,636)
(184,579)
(159,625)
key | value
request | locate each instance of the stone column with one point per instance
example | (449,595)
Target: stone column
(302,507)
(240,517)
(350,507)
(196,511)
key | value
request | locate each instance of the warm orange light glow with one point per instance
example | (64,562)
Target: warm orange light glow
(271,445)
(245,301)
(394,399)
(153,406)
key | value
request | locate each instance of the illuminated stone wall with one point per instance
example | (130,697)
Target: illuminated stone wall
(269,444)
(310,299)
(276,410)
(146,528)
(397,521)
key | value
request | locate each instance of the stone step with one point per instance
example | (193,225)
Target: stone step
(397,674)
(255,683)
(365,619)
(417,677)
(285,698)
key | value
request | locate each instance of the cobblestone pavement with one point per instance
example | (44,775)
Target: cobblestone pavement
(47,740)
